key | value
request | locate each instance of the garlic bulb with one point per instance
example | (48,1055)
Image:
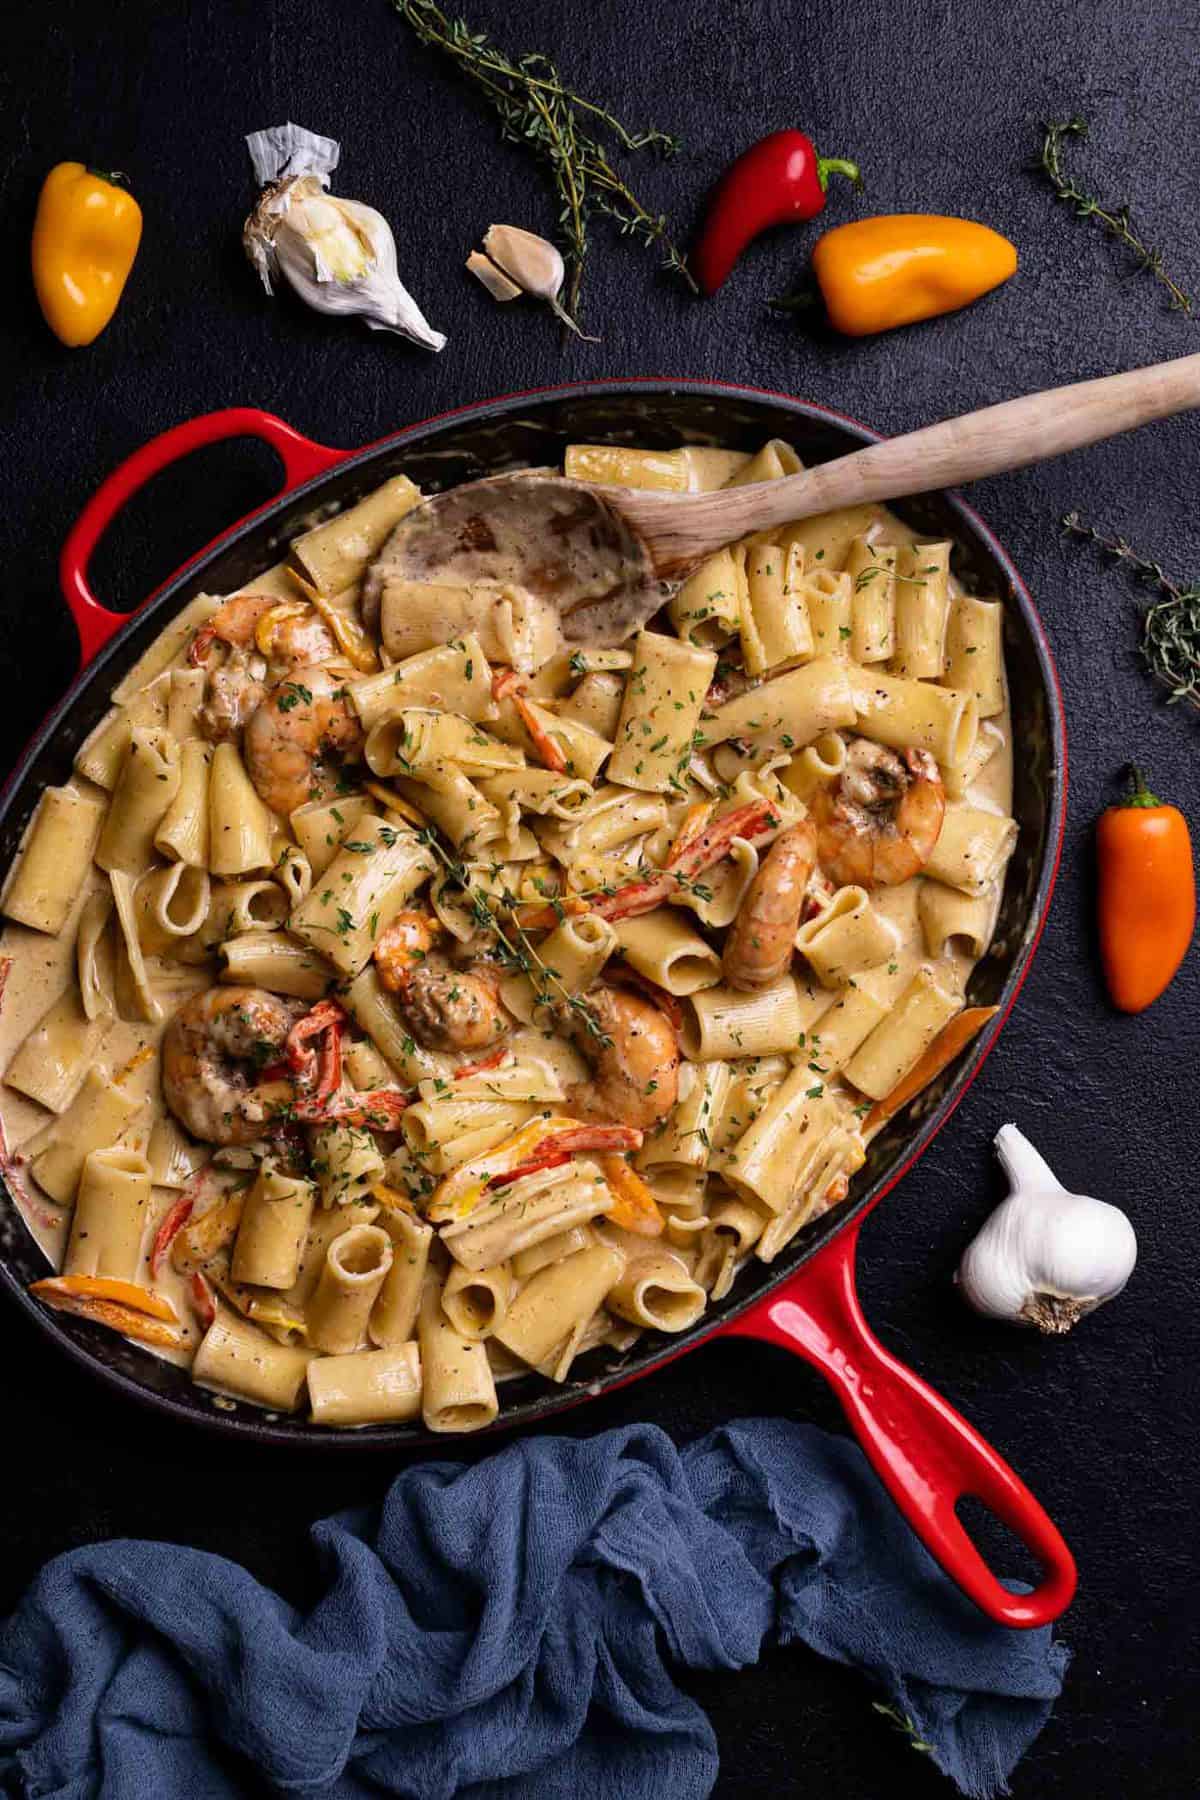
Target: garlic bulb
(519,262)
(337,255)
(1045,1257)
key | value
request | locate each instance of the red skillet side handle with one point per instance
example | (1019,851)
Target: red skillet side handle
(301,458)
(926,1455)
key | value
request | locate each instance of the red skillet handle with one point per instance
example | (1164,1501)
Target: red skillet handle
(925,1454)
(301,458)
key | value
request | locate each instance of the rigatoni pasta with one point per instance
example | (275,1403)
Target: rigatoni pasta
(664,696)
(413,991)
(49,872)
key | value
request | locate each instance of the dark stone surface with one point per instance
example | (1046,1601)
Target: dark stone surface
(941,103)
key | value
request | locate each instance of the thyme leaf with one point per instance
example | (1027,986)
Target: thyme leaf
(519,955)
(1117,221)
(1170,646)
(904,1724)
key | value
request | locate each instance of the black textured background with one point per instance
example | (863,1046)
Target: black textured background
(941,102)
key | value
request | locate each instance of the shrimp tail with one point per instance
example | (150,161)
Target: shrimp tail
(200,648)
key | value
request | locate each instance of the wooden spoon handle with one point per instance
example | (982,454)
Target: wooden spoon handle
(1011,435)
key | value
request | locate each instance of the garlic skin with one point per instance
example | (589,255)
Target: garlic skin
(337,255)
(1045,1257)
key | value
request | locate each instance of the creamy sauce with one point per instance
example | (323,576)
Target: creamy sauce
(44,967)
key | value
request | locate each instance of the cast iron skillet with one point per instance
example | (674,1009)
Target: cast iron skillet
(927,1455)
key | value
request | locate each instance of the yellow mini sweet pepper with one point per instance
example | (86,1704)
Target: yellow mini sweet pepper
(85,237)
(878,273)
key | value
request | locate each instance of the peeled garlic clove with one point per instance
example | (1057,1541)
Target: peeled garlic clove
(535,265)
(494,280)
(337,255)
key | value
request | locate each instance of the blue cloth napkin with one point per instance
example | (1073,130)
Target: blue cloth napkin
(506,1631)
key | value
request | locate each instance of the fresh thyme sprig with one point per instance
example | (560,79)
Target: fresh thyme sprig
(1170,646)
(1116,221)
(521,955)
(537,109)
(904,1724)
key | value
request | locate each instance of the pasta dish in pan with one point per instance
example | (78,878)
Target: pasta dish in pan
(400,997)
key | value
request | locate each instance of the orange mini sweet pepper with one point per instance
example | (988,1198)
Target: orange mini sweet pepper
(85,238)
(875,274)
(1147,897)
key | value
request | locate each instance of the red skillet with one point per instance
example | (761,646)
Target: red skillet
(927,1455)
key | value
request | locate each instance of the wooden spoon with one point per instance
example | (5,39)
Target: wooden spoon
(609,556)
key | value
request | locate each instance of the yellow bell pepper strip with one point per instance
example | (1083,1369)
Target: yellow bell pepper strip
(130,1323)
(941,1053)
(634,1206)
(875,274)
(107,1287)
(85,238)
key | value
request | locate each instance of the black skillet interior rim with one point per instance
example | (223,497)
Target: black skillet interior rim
(479,440)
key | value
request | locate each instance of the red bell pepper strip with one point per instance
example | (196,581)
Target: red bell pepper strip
(507,685)
(544,1159)
(565,1145)
(700,851)
(203,1299)
(172,1224)
(379,1109)
(317,1074)
(485,1062)
(703,851)
(779,180)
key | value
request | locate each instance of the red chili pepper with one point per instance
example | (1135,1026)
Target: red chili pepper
(778,180)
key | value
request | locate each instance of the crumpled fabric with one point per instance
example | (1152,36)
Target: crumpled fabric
(510,1629)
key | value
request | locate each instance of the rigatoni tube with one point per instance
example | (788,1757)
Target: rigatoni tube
(53,863)
(664,693)
(273,1229)
(458,1387)
(237,1358)
(354,1270)
(366,1387)
(369,881)
(110,1216)
(146,786)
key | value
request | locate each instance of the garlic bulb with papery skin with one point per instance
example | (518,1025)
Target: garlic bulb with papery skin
(1045,1257)
(337,255)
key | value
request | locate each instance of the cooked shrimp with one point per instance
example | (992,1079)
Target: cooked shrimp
(634,1061)
(453,1009)
(235,690)
(403,947)
(290,735)
(284,631)
(758,949)
(214,1052)
(878,823)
